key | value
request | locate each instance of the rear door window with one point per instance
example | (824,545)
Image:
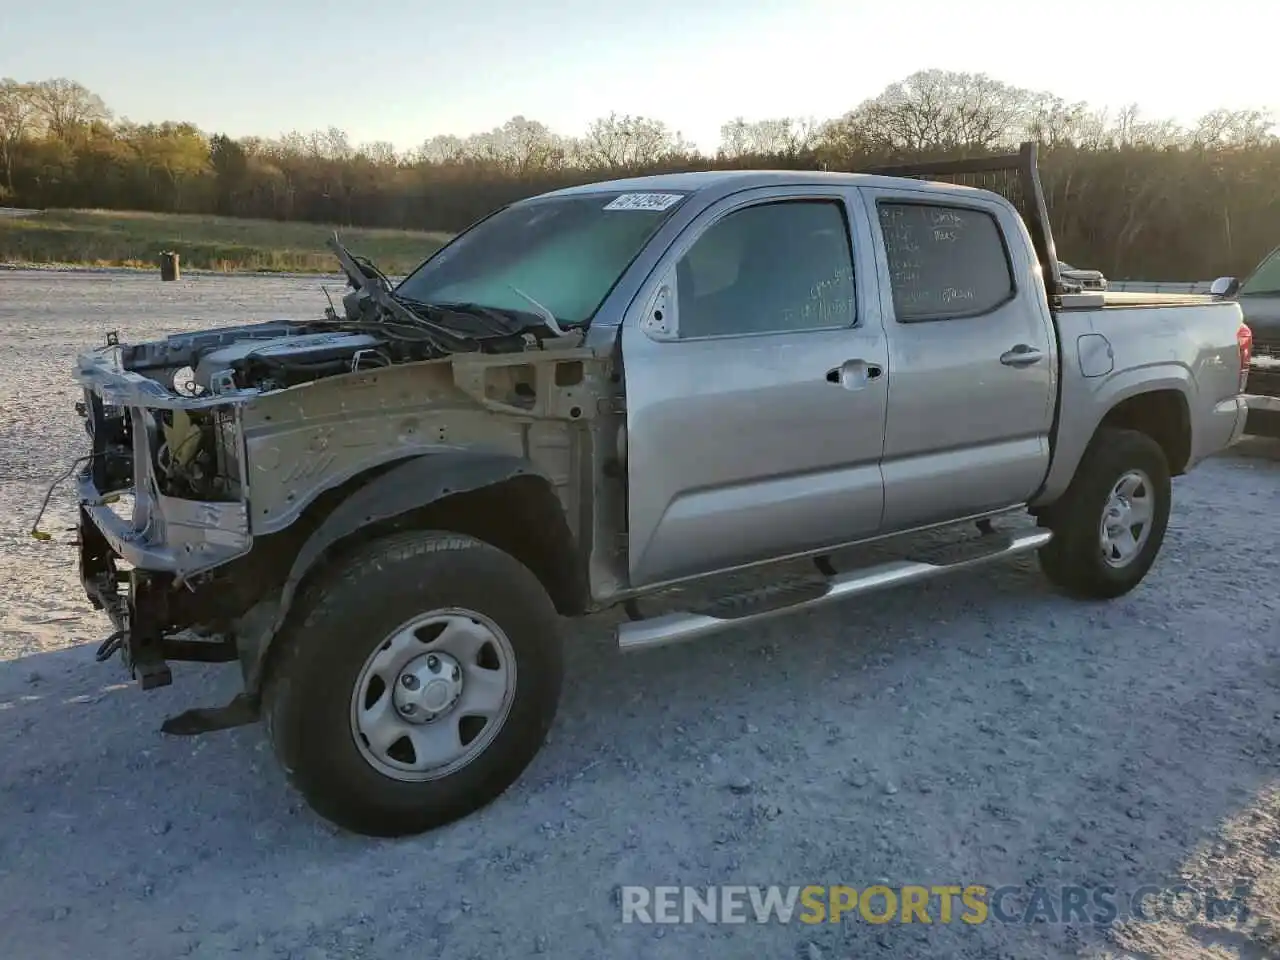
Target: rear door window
(945,262)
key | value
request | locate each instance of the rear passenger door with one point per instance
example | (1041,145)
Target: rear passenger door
(972,356)
(755,387)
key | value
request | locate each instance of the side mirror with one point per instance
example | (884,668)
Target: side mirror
(1224,287)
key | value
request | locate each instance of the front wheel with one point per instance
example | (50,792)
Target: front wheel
(415,684)
(1110,524)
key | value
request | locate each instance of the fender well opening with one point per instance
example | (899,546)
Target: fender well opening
(1162,415)
(521,516)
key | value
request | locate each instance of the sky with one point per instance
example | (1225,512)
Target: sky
(405,70)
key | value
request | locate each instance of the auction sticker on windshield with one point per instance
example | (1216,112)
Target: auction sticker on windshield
(644,201)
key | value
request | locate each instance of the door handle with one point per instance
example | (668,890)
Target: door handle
(852,374)
(1023,355)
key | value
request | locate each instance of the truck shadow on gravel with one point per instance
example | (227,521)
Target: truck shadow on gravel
(1255,448)
(977,729)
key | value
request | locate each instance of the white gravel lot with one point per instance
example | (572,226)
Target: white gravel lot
(975,730)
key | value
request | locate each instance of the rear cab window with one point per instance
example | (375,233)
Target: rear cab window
(945,261)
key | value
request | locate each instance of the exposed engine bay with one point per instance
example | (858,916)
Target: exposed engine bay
(195,455)
(285,362)
(191,385)
(264,357)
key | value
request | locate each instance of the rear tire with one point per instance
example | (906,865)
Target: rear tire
(1100,550)
(387,664)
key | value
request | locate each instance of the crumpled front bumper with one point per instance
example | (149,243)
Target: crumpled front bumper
(139,604)
(164,540)
(167,534)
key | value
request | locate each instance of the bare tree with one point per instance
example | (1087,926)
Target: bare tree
(65,106)
(330,144)
(380,152)
(518,147)
(1234,128)
(19,118)
(1054,122)
(942,110)
(442,148)
(627,141)
(524,145)
(1129,129)
(783,136)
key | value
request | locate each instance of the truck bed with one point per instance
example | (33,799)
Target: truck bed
(1189,347)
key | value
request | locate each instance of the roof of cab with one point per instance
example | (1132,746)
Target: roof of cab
(730,181)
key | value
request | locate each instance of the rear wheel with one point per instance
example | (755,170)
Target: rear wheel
(415,684)
(1109,525)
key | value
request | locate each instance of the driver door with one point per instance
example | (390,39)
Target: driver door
(756,386)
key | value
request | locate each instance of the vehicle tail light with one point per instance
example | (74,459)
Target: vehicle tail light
(1244,341)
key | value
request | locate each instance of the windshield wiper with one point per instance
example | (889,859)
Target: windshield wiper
(500,322)
(376,289)
(509,320)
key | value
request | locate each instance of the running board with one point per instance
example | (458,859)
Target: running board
(819,591)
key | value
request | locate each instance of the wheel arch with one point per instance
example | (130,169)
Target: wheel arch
(1158,406)
(1164,415)
(499,499)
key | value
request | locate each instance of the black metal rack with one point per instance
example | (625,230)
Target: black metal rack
(1016,177)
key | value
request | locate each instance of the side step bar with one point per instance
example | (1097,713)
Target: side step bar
(677,627)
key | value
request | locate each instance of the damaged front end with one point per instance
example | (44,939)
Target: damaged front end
(216,456)
(163,494)
(227,465)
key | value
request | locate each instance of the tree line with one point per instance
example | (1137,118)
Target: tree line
(1131,195)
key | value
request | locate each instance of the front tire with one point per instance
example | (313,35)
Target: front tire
(1109,525)
(414,684)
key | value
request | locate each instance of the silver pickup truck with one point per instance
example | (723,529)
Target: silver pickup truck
(595,395)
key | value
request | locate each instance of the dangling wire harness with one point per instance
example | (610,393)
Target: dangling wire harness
(36,532)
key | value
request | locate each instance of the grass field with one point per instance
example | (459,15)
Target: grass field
(108,238)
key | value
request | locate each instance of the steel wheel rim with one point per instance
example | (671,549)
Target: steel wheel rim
(433,695)
(1126,519)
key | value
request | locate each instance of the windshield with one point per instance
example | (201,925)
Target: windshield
(1266,279)
(565,252)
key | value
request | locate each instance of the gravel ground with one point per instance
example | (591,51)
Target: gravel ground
(976,730)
